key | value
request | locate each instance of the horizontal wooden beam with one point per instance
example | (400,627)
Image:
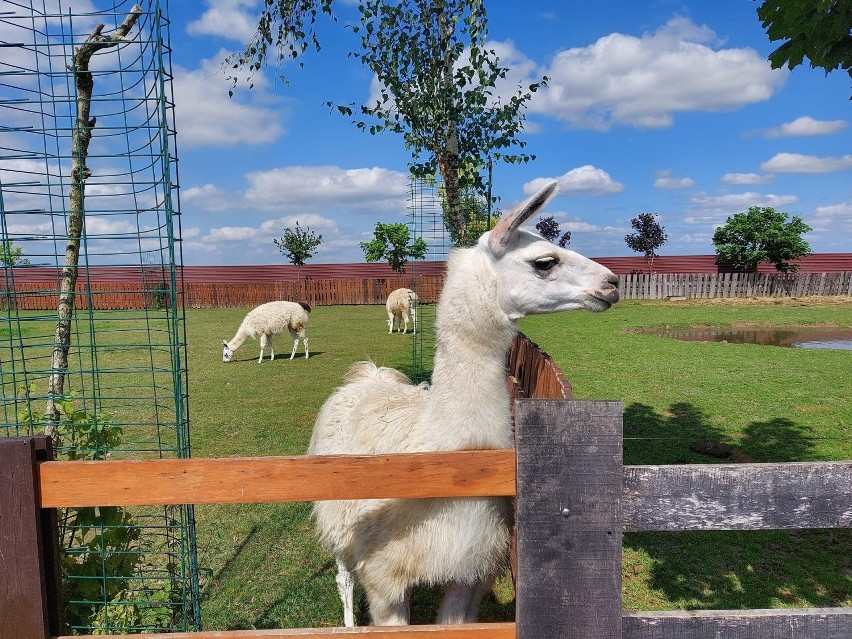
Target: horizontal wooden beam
(738,496)
(463,631)
(276,479)
(673,498)
(800,623)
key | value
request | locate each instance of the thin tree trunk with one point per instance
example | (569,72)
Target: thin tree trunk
(448,156)
(81,137)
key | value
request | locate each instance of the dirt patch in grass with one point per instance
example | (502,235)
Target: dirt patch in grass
(826,300)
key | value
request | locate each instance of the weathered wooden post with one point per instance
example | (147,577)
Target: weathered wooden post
(569,519)
(29,548)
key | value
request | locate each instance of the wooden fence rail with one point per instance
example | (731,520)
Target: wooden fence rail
(574,500)
(333,292)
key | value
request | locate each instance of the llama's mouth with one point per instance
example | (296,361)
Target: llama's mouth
(602,299)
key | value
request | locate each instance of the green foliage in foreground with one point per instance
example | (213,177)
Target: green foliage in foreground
(263,569)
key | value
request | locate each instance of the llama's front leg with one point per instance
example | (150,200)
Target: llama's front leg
(305,342)
(405,322)
(295,346)
(346,589)
(390,323)
(461,602)
(386,612)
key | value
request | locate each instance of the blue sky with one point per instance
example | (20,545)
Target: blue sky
(663,107)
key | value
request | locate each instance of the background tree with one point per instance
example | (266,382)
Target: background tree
(11,255)
(473,220)
(437,84)
(549,229)
(815,29)
(298,245)
(391,243)
(762,234)
(649,236)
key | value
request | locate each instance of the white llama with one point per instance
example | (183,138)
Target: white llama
(401,302)
(266,320)
(392,545)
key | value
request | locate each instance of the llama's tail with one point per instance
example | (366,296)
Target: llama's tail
(361,371)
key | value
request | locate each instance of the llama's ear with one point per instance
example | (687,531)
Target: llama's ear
(224,342)
(501,235)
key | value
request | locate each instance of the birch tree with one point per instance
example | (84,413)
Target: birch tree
(438,81)
(84,126)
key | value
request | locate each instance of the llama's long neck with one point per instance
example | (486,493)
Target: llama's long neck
(468,400)
(240,338)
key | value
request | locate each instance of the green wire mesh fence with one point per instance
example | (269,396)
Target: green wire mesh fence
(92,325)
(427,220)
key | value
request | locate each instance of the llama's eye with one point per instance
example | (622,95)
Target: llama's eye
(544,264)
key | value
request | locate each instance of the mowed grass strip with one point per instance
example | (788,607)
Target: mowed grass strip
(685,402)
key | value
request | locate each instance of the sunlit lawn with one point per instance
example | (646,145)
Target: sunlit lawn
(263,569)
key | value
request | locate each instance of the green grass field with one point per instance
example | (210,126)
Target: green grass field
(262,568)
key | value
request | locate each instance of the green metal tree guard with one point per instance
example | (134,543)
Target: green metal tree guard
(92,323)
(426,212)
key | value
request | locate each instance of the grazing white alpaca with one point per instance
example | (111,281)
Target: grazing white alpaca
(392,545)
(400,303)
(266,320)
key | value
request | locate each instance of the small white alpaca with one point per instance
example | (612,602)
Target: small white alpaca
(401,302)
(393,545)
(266,320)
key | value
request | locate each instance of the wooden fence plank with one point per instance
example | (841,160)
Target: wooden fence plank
(568,519)
(276,479)
(681,497)
(738,496)
(504,630)
(29,567)
(802,623)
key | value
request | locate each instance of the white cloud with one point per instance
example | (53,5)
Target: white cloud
(311,186)
(714,210)
(747,178)
(206,116)
(835,210)
(108,225)
(231,19)
(579,226)
(833,223)
(806,125)
(233,234)
(305,190)
(644,81)
(206,197)
(587,179)
(797,163)
(703,239)
(666,181)
(736,201)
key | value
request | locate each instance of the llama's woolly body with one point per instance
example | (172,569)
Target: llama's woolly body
(392,545)
(400,303)
(267,320)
